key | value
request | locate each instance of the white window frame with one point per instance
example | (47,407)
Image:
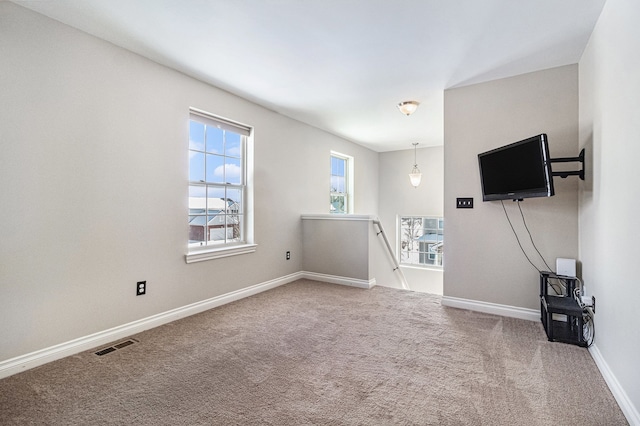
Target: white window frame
(207,251)
(349,182)
(418,264)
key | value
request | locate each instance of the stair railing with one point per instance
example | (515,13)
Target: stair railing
(396,265)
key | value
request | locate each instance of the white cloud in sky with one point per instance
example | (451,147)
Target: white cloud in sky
(233,171)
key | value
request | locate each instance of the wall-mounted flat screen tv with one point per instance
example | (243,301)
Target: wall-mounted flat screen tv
(517,171)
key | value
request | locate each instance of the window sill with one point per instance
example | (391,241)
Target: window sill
(337,216)
(423,267)
(219,252)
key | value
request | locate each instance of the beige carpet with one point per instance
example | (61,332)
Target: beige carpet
(311,353)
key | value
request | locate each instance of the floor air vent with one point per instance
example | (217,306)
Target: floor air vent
(105,351)
(115,347)
(124,344)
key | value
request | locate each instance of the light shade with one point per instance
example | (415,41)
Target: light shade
(415,177)
(408,107)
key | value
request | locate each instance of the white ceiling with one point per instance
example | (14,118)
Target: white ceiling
(343,65)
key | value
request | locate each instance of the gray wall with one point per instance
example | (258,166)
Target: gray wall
(483,261)
(93,181)
(609,197)
(347,249)
(398,197)
(336,245)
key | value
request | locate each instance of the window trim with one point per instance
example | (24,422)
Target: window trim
(247,245)
(349,177)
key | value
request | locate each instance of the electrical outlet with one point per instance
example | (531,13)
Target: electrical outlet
(464,203)
(141,288)
(288,255)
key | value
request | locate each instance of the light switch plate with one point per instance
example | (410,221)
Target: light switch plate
(464,203)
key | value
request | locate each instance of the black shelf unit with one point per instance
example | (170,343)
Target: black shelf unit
(571,330)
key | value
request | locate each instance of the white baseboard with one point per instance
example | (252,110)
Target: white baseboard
(333,279)
(491,308)
(34,359)
(627,407)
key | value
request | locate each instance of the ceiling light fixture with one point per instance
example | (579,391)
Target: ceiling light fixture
(408,107)
(415,176)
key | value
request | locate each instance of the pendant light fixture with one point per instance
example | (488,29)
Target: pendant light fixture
(415,176)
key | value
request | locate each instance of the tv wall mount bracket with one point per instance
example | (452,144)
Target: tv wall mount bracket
(563,174)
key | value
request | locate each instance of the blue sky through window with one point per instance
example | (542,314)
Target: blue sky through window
(338,167)
(216,160)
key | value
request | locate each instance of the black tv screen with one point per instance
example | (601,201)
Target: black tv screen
(516,171)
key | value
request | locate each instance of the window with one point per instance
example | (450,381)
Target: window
(421,240)
(341,195)
(218,190)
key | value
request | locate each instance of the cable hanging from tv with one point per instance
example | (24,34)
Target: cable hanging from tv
(564,174)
